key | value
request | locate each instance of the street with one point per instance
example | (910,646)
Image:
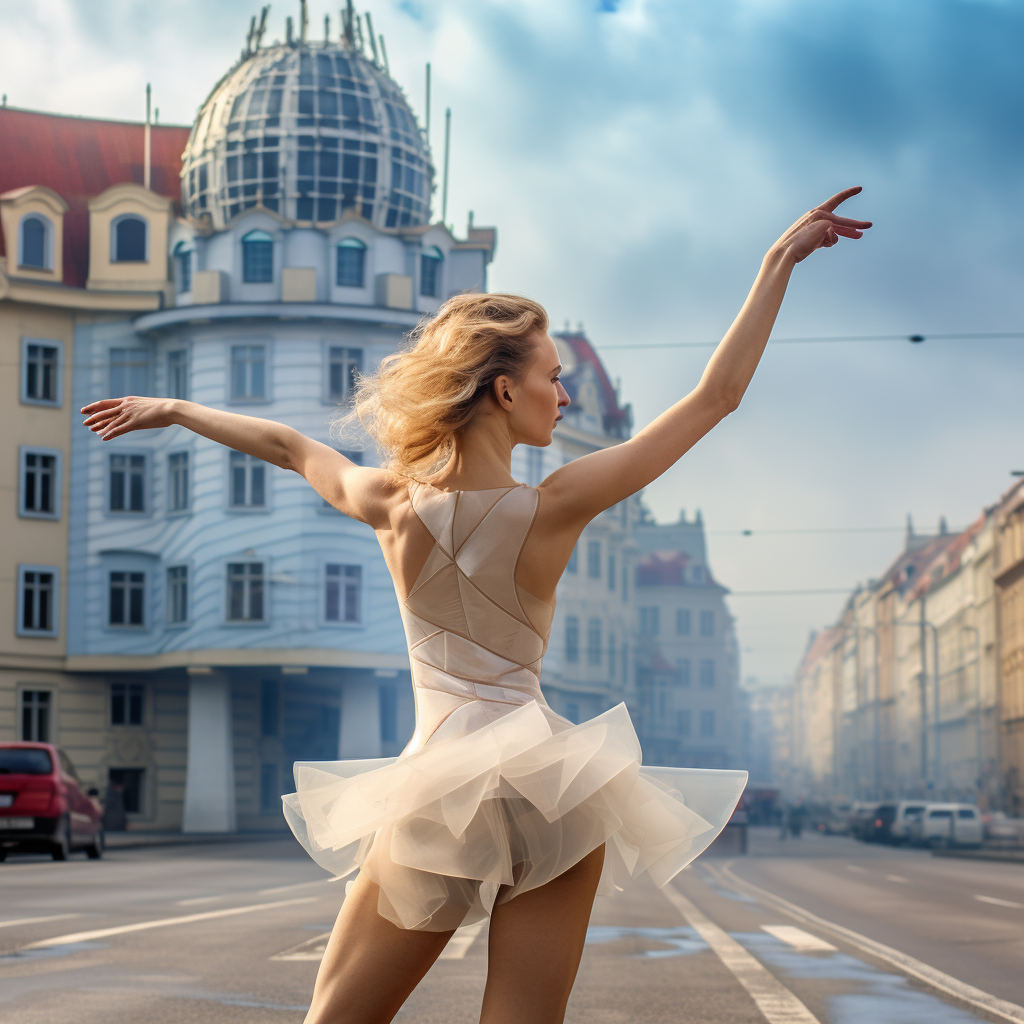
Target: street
(231,932)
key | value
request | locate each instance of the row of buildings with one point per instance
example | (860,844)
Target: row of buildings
(917,689)
(185,620)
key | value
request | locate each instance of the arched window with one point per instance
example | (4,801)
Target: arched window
(430,271)
(351,263)
(129,241)
(36,249)
(257,257)
(183,264)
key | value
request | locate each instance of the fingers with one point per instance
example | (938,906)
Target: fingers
(113,428)
(832,218)
(839,197)
(104,403)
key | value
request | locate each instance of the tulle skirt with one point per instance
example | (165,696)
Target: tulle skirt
(486,811)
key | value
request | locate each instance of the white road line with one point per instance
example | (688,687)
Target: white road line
(296,885)
(199,899)
(195,900)
(895,878)
(797,937)
(1000,903)
(772,998)
(859,870)
(102,933)
(459,943)
(908,964)
(311,949)
(36,920)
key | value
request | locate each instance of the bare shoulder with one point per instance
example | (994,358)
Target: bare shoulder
(374,496)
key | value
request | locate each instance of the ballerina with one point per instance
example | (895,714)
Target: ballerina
(497,807)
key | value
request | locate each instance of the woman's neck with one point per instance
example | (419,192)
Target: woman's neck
(482,456)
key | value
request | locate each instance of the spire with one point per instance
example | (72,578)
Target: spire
(348,16)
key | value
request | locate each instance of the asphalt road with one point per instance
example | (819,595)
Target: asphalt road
(228,933)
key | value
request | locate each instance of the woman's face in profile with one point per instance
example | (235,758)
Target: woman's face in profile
(540,396)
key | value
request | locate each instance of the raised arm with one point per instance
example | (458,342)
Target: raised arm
(587,486)
(361,492)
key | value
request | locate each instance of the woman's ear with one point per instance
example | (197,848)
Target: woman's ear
(503,387)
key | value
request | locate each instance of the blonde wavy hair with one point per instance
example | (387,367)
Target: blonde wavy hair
(422,395)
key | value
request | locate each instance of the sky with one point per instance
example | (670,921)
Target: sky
(638,158)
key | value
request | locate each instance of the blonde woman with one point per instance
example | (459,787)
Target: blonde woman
(497,807)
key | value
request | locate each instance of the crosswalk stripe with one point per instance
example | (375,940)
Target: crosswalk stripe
(773,999)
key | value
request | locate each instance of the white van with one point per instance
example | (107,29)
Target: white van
(947,825)
(907,812)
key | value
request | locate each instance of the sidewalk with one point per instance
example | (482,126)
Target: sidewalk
(136,840)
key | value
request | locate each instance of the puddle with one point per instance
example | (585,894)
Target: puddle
(680,941)
(878,995)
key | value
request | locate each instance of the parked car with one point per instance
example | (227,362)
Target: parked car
(43,805)
(947,825)
(838,823)
(861,816)
(891,821)
(907,812)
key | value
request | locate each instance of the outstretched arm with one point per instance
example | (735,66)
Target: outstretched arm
(585,487)
(358,491)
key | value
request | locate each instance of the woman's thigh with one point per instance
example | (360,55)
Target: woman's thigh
(535,944)
(370,966)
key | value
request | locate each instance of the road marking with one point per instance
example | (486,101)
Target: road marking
(36,920)
(296,885)
(199,899)
(796,937)
(895,878)
(195,900)
(772,998)
(908,964)
(1000,903)
(139,926)
(459,943)
(859,870)
(311,949)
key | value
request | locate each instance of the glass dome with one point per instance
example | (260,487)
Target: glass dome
(307,130)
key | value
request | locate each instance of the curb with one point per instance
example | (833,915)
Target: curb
(140,840)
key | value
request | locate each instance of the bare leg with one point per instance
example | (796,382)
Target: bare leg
(536,941)
(370,965)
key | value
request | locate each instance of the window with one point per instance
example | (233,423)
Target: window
(248,373)
(128,238)
(39,493)
(36,708)
(388,696)
(127,703)
(625,581)
(127,483)
(257,258)
(177,482)
(966,813)
(37,598)
(177,594)
(430,271)
(707,673)
(534,466)
(343,586)
(682,621)
(129,781)
(127,599)
(351,267)
(269,796)
(129,372)
(649,621)
(35,248)
(40,381)
(594,559)
(683,668)
(573,563)
(343,367)
(245,591)
(594,642)
(707,623)
(611,571)
(707,723)
(683,723)
(697,574)
(612,651)
(270,707)
(572,639)
(177,373)
(183,266)
(248,481)
(572,712)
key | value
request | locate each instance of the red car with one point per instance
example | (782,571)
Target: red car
(43,807)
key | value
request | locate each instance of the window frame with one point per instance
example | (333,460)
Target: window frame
(593,559)
(53,692)
(246,623)
(185,622)
(707,718)
(684,617)
(343,623)
(185,367)
(55,598)
(328,396)
(178,253)
(116,223)
(142,689)
(572,651)
(249,462)
(186,509)
(25,399)
(234,399)
(707,618)
(24,451)
(432,255)
(48,234)
(595,650)
(129,570)
(350,242)
(147,489)
(250,238)
(706,682)
(148,371)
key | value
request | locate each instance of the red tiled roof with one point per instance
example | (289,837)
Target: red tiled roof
(79,158)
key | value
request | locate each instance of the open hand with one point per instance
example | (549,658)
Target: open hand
(820,228)
(112,417)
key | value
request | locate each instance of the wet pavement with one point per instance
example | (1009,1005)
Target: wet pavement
(233,932)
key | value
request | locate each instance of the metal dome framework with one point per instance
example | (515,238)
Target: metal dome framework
(308,131)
